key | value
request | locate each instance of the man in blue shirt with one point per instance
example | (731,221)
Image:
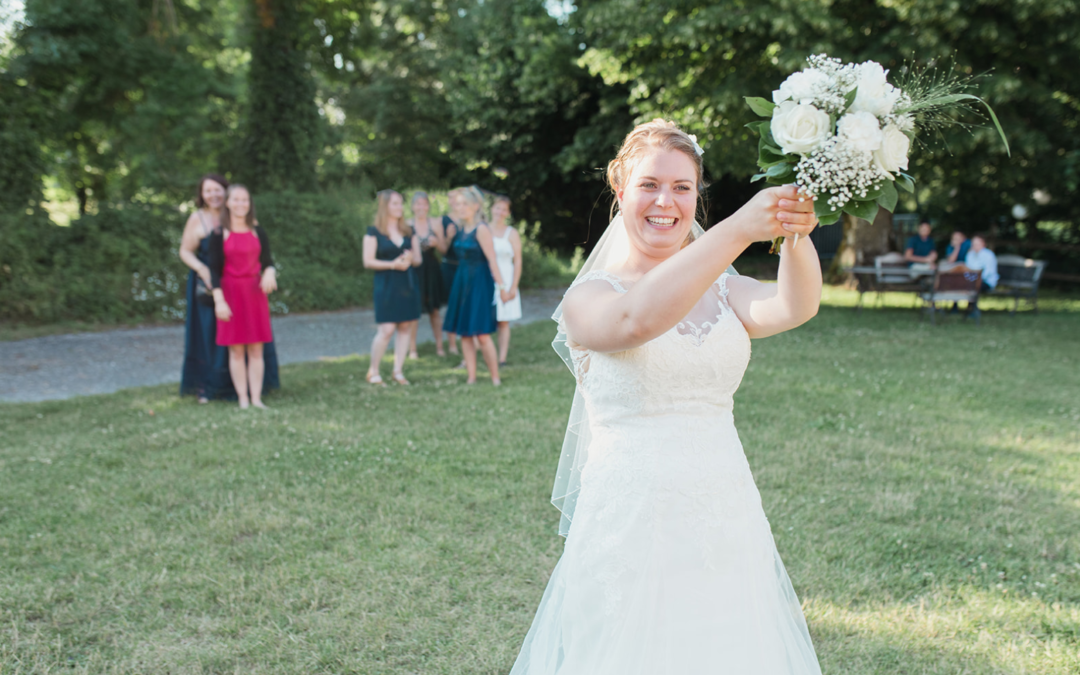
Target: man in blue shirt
(958,247)
(982,259)
(920,247)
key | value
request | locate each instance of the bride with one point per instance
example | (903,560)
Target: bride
(669,566)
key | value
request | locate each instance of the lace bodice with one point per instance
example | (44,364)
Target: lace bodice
(693,369)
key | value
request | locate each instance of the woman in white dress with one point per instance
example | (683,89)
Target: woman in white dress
(508,255)
(669,566)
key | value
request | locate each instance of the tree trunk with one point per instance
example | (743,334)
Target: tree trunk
(862,241)
(281,140)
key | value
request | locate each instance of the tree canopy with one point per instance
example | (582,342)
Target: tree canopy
(114,101)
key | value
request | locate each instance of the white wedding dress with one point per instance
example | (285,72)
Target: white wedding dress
(669,566)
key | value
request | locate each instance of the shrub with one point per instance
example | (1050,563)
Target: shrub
(317,241)
(121,263)
(540,267)
(115,264)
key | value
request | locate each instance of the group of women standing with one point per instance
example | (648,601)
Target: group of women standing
(476,280)
(229,345)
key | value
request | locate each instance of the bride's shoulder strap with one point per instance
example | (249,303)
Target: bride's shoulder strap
(595,275)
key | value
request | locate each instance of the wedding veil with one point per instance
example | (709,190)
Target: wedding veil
(613,248)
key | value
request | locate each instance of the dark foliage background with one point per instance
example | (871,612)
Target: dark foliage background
(111,108)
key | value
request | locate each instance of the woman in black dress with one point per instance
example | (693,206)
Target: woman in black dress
(392,251)
(432,294)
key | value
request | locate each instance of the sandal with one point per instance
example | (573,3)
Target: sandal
(400,379)
(376,380)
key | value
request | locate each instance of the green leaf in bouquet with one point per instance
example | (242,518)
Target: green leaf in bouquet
(765,143)
(762,107)
(905,182)
(757,177)
(768,156)
(829,218)
(822,209)
(781,174)
(875,192)
(850,98)
(888,197)
(866,210)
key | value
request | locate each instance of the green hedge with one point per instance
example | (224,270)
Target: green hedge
(121,263)
(108,266)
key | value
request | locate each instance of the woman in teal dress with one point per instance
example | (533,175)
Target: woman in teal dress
(470,312)
(392,251)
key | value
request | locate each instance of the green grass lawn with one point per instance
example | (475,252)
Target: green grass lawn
(923,485)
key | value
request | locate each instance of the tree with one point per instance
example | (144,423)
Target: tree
(282,130)
(122,102)
(694,64)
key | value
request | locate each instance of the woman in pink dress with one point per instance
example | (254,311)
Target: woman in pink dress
(242,275)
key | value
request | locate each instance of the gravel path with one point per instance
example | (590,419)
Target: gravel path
(63,366)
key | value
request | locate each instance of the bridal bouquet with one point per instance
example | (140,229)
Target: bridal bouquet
(842,133)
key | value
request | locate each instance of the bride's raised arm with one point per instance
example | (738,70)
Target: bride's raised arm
(767,309)
(600,319)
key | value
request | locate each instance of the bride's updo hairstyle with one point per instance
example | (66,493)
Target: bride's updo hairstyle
(659,134)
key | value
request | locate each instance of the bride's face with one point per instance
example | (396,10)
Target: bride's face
(658,202)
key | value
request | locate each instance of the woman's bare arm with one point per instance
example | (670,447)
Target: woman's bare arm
(515,241)
(483,237)
(448,235)
(767,309)
(417,258)
(189,244)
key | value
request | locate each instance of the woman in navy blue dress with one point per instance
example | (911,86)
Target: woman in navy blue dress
(433,296)
(470,312)
(449,263)
(392,251)
(205,372)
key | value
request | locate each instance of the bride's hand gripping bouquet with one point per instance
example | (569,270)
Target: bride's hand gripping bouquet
(842,133)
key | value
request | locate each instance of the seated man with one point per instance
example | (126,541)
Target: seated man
(982,259)
(920,248)
(958,248)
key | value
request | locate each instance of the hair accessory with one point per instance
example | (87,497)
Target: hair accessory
(697,148)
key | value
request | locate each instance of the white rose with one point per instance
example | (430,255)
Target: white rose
(892,156)
(799,128)
(861,131)
(875,94)
(801,87)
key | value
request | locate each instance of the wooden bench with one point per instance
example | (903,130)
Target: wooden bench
(890,273)
(1019,279)
(951,286)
